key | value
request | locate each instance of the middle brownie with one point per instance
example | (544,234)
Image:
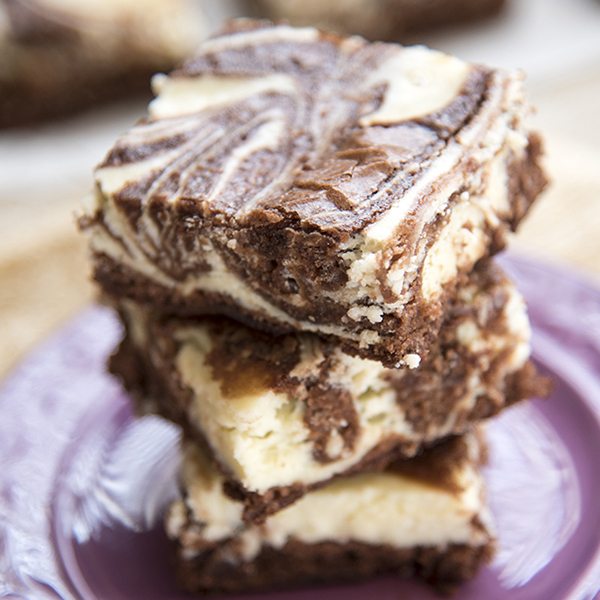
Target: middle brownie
(284,415)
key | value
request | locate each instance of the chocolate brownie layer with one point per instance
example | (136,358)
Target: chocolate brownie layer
(285,414)
(300,565)
(59,56)
(302,181)
(378,19)
(428,520)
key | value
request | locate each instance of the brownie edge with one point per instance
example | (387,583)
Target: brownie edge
(300,564)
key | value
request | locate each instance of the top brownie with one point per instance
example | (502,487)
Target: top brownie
(296,180)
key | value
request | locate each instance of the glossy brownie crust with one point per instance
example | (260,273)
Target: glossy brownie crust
(300,564)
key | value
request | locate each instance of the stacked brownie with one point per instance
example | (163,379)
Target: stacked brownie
(379,19)
(297,240)
(60,56)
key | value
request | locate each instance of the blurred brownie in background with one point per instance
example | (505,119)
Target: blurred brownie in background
(298,181)
(378,19)
(61,56)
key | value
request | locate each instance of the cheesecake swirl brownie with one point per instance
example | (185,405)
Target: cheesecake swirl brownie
(378,19)
(295,180)
(425,517)
(283,415)
(59,56)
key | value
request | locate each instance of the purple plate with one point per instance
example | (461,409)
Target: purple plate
(83,483)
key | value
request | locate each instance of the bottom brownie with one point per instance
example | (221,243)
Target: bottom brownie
(423,517)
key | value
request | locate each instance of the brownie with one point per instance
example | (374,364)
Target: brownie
(379,19)
(59,57)
(284,415)
(295,180)
(428,519)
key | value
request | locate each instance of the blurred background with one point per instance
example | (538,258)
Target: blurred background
(66,67)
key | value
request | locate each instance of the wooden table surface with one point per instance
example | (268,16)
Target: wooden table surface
(43,267)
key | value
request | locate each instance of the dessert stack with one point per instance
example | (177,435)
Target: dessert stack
(297,239)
